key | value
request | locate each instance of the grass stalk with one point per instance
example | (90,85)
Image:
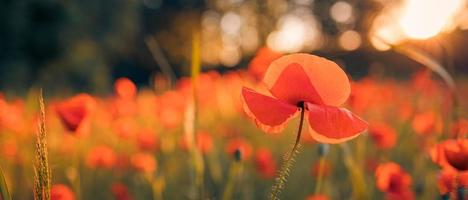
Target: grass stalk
(42,177)
(4,193)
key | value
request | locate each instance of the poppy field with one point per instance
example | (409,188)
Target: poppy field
(233,100)
(290,127)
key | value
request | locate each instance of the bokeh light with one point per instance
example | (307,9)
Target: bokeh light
(341,11)
(294,33)
(415,19)
(422,19)
(350,40)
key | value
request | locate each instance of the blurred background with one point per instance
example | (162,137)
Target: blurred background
(67,46)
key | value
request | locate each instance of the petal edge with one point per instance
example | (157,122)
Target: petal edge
(269,114)
(333,125)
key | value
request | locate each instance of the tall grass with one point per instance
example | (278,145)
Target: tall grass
(42,177)
(4,194)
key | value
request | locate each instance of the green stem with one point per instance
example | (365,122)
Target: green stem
(234,172)
(288,162)
(318,186)
(4,194)
(76,167)
(356,175)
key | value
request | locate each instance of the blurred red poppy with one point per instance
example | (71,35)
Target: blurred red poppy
(12,115)
(125,88)
(394,181)
(383,135)
(261,61)
(101,157)
(239,144)
(9,150)
(317,197)
(450,180)
(307,82)
(446,181)
(125,127)
(460,127)
(75,112)
(423,82)
(146,140)
(120,192)
(451,154)
(426,123)
(265,163)
(61,192)
(143,162)
(171,108)
(203,141)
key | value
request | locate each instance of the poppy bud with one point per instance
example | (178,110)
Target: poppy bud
(238,155)
(323,149)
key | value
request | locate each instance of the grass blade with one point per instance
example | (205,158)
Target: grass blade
(4,194)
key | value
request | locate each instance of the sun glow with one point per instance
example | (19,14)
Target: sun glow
(422,19)
(415,19)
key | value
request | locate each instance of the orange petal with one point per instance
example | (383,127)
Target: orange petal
(328,80)
(294,86)
(333,125)
(269,114)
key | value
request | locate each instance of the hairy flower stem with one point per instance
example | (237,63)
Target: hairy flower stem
(288,161)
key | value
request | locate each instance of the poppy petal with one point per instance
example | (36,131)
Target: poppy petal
(327,83)
(269,113)
(294,86)
(333,125)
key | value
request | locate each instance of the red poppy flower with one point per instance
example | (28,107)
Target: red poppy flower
(383,135)
(265,163)
(143,162)
(9,150)
(203,141)
(451,154)
(261,61)
(241,145)
(317,197)
(171,106)
(120,192)
(146,140)
(61,192)
(12,115)
(74,113)
(394,181)
(460,127)
(426,123)
(448,178)
(303,81)
(101,157)
(125,88)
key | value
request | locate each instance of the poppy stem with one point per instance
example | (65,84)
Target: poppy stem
(288,161)
(299,131)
